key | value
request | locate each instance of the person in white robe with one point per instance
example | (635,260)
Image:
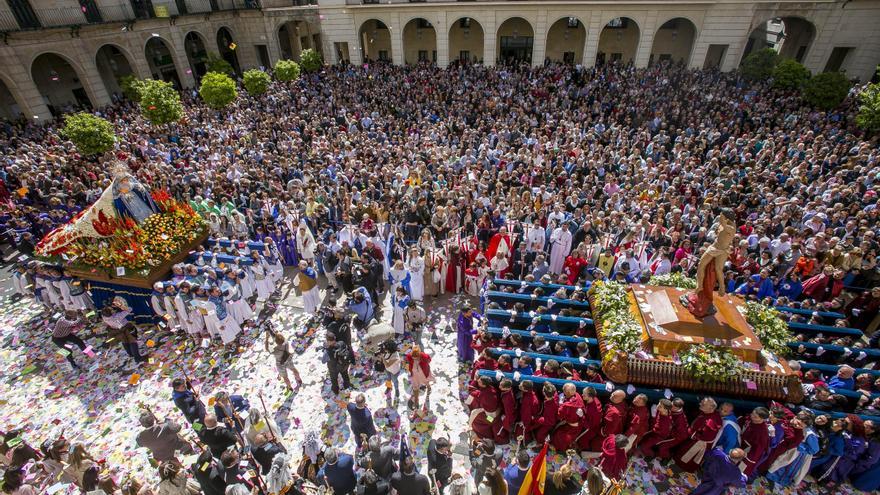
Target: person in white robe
(307,281)
(21,281)
(208,311)
(273,259)
(560,242)
(263,281)
(246,281)
(77,296)
(228,328)
(499,263)
(305,243)
(399,303)
(236,304)
(535,238)
(399,277)
(415,266)
(183,311)
(157,300)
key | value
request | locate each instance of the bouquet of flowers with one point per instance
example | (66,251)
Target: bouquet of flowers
(677,280)
(709,364)
(769,327)
(620,330)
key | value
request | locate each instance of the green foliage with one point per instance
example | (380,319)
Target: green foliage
(286,70)
(676,280)
(160,102)
(826,90)
(131,87)
(759,65)
(869,108)
(711,364)
(789,74)
(91,134)
(256,82)
(619,329)
(219,65)
(217,90)
(770,329)
(310,60)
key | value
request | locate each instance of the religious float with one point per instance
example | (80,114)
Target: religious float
(125,242)
(704,340)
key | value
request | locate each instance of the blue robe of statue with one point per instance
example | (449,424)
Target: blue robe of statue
(136,203)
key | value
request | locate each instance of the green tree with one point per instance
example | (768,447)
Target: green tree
(826,90)
(789,74)
(759,65)
(310,60)
(91,134)
(286,70)
(256,81)
(219,65)
(869,108)
(160,102)
(131,87)
(218,90)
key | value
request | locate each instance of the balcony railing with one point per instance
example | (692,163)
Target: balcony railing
(62,16)
(198,6)
(116,13)
(8,22)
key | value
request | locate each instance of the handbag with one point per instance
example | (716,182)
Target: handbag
(379,366)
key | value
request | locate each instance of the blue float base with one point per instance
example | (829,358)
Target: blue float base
(137,298)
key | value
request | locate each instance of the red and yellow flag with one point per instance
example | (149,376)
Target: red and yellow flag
(533,483)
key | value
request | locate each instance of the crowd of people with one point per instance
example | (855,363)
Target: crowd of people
(406,183)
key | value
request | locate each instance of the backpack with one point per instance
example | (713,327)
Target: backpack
(343,354)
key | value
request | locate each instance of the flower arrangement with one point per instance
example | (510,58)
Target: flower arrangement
(676,280)
(137,247)
(620,330)
(769,327)
(710,364)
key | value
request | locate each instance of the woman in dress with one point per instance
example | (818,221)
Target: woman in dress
(790,468)
(418,365)
(399,303)
(415,268)
(305,243)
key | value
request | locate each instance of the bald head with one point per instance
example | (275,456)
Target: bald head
(210,421)
(737,455)
(618,396)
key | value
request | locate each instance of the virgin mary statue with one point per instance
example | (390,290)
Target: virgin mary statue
(130,197)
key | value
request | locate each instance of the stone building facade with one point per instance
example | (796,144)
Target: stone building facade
(55,53)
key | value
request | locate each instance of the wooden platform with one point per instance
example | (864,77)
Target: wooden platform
(670,327)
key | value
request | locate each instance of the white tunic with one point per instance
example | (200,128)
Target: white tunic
(416,269)
(560,241)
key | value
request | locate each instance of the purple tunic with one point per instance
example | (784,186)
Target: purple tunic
(719,474)
(465,334)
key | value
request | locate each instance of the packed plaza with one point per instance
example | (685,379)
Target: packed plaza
(413,279)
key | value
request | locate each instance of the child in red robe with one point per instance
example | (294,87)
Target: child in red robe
(755,439)
(570,414)
(504,426)
(701,434)
(591,423)
(483,402)
(613,420)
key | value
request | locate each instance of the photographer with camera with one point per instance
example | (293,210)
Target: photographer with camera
(337,322)
(338,356)
(361,304)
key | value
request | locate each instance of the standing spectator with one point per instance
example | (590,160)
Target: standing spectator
(338,356)
(418,364)
(362,426)
(163,440)
(65,332)
(338,472)
(187,401)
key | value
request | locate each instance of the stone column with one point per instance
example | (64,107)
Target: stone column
(539,45)
(441,31)
(20,83)
(646,40)
(591,44)
(397,55)
(490,35)
(178,53)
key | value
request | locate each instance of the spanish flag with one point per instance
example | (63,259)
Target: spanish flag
(533,483)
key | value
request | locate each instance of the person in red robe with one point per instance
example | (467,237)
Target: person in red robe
(484,362)
(613,420)
(701,436)
(638,420)
(614,458)
(680,430)
(504,426)
(549,409)
(661,430)
(591,423)
(499,242)
(755,439)
(483,402)
(574,263)
(792,437)
(570,413)
(455,270)
(529,410)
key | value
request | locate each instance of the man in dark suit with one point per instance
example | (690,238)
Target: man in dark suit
(217,437)
(521,262)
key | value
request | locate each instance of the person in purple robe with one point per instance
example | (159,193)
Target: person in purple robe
(720,472)
(871,455)
(466,332)
(854,445)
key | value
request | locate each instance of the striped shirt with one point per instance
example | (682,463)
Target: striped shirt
(65,327)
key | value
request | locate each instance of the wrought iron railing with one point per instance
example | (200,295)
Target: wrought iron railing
(8,22)
(62,16)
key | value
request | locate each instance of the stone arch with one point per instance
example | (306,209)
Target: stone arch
(195,46)
(113,63)
(295,35)
(227,48)
(565,40)
(674,41)
(375,39)
(60,81)
(419,41)
(618,41)
(792,36)
(12,104)
(160,58)
(515,40)
(466,40)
